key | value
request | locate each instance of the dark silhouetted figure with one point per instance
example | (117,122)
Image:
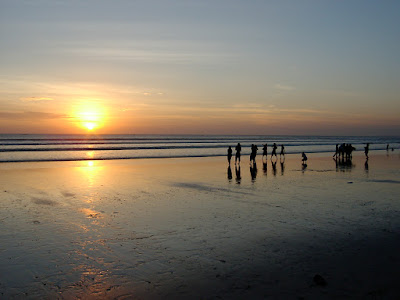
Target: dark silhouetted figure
(229,154)
(265,151)
(253,154)
(366,150)
(237,171)
(348,149)
(274,147)
(229,173)
(303,158)
(341,150)
(282,151)
(253,171)
(238,148)
(337,151)
(387,147)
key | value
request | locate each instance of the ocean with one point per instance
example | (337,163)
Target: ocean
(33,148)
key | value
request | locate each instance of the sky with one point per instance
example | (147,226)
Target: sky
(200,67)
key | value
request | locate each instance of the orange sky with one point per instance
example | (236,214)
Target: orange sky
(200,68)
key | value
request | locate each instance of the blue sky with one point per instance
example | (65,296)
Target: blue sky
(262,67)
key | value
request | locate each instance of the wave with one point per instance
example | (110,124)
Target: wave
(30,148)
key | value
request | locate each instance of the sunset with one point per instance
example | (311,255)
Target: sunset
(169,149)
(228,67)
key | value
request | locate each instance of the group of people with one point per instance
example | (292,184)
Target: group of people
(346,151)
(253,153)
(343,152)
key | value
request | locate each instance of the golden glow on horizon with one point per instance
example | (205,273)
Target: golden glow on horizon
(90,117)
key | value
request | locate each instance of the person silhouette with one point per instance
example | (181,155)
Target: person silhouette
(303,158)
(238,148)
(229,154)
(274,147)
(366,150)
(265,151)
(253,154)
(282,151)
(336,151)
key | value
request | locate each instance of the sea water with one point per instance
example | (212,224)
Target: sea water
(24,148)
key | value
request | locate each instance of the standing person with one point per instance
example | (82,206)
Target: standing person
(337,151)
(265,152)
(229,154)
(282,151)
(303,158)
(253,155)
(252,152)
(238,148)
(366,150)
(274,147)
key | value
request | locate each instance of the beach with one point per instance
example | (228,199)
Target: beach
(181,228)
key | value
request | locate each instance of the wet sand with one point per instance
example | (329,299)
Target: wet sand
(181,229)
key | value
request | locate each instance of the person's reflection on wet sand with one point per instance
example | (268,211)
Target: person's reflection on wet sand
(237,171)
(282,167)
(366,167)
(229,173)
(265,167)
(273,167)
(343,165)
(303,167)
(253,171)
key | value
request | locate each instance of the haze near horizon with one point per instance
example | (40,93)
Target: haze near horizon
(200,67)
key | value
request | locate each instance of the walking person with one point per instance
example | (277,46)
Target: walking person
(274,147)
(303,158)
(238,148)
(282,151)
(337,151)
(229,154)
(366,150)
(265,151)
(253,154)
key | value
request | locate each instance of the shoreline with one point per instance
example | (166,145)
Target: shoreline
(244,155)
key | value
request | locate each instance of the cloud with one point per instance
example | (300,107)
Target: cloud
(36,99)
(31,115)
(283,87)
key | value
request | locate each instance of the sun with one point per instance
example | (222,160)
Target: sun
(90,117)
(90,125)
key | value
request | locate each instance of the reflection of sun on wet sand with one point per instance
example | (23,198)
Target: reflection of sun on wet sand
(185,228)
